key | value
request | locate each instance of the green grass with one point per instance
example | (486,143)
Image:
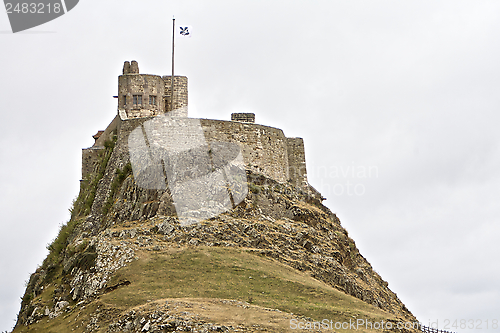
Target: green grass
(121,175)
(233,274)
(255,188)
(83,203)
(58,245)
(64,323)
(205,273)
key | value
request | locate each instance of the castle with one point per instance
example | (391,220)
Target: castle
(142,97)
(199,201)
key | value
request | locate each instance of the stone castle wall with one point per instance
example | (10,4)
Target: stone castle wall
(91,156)
(265,149)
(296,161)
(151,90)
(180,92)
(90,160)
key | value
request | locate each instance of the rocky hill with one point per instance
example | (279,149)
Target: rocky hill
(124,263)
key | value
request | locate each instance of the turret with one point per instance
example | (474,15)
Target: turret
(139,95)
(180,92)
(145,95)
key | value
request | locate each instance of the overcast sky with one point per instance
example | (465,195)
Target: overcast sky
(397,102)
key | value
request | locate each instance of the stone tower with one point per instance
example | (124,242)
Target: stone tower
(265,149)
(145,95)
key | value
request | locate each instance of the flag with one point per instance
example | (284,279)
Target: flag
(185,31)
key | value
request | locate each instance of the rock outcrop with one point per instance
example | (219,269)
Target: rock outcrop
(111,267)
(276,221)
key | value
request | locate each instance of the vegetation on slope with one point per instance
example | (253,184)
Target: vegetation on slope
(280,249)
(51,269)
(205,274)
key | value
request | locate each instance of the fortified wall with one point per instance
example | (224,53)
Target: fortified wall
(142,97)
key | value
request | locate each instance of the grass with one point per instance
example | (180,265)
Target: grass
(233,274)
(255,188)
(121,175)
(80,208)
(204,275)
(62,324)
(59,244)
(83,203)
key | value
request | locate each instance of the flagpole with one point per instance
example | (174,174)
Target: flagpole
(172,78)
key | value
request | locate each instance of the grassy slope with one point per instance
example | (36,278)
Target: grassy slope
(202,274)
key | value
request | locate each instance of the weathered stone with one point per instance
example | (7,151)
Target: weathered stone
(243,117)
(165,228)
(60,306)
(126,67)
(134,67)
(145,328)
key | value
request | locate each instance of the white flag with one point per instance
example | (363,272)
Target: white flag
(185,31)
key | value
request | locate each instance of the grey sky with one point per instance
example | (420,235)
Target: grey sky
(403,93)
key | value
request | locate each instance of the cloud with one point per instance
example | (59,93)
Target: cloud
(408,88)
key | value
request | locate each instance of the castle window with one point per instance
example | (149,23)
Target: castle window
(152,100)
(125,100)
(137,99)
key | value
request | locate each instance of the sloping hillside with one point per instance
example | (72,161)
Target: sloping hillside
(123,263)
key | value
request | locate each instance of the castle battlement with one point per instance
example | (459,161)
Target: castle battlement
(142,97)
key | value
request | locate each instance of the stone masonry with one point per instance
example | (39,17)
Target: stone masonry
(243,117)
(265,149)
(144,95)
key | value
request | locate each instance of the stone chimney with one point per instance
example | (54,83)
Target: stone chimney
(134,67)
(126,67)
(243,117)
